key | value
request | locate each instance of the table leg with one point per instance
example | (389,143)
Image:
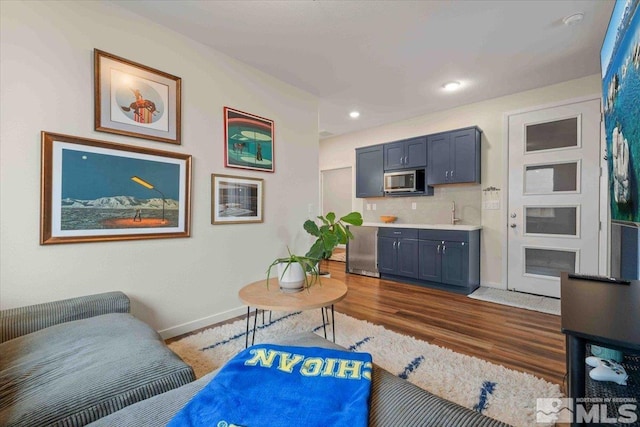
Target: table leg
(576,352)
(324,324)
(246,337)
(255,321)
(333,323)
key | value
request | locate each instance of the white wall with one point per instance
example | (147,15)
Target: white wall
(47,84)
(339,152)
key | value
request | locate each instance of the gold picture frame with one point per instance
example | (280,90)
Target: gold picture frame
(236,199)
(95,191)
(135,100)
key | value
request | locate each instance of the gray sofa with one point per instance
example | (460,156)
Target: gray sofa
(394,402)
(71,362)
(88,395)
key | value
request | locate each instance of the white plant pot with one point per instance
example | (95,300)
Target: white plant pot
(291,280)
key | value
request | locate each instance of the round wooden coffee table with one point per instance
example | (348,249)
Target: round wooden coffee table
(320,295)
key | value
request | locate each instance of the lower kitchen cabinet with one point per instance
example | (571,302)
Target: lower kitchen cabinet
(446,259)
(398,252)
(450,257)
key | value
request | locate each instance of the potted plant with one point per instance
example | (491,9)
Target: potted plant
(330,234)
(295,272)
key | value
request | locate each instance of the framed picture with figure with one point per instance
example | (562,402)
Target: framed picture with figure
(248,141)
(135,100)
(99,191)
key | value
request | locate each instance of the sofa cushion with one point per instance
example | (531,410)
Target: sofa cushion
(74,373)
(15,322)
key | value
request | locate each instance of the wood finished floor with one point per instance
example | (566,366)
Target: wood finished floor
(519,339)
(523,340)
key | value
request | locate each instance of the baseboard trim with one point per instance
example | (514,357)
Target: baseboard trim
(184,328)
(494,285)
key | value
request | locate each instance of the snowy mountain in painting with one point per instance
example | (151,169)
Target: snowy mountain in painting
(120,202)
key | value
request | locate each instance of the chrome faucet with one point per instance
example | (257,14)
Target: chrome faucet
(453,214)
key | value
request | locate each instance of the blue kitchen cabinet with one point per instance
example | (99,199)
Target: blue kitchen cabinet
(398,252)
(454,157)
(369,171)
(430,264)
(406,154)
(450,257)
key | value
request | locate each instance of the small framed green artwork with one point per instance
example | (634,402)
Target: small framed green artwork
(248,141)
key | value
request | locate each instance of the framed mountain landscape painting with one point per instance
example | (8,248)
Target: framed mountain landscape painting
(98,191)
(248,141)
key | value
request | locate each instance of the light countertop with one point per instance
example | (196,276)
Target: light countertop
(425,226)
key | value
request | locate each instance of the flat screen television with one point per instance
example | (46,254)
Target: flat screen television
(620,62)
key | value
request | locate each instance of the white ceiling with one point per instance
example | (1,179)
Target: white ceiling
(389,59)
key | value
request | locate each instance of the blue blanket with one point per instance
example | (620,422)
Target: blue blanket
(271,385)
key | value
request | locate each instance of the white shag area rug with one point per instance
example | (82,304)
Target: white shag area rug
(494,390)
(518,299)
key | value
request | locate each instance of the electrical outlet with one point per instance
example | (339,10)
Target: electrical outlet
(414,205)
(368,206)
(373,206)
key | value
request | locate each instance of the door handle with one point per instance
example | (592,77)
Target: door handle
(513,225)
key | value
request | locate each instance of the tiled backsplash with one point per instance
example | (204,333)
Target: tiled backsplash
(434,209)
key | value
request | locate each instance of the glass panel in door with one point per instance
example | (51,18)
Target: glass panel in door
(561,221)
(549,262)
(551,178)
(551,135)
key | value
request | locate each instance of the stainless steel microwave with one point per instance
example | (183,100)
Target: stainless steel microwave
(406,181)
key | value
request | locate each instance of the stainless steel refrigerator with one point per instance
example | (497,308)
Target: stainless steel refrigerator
(362,251)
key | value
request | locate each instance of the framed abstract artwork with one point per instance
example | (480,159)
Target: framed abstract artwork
(98,191)
(135,100)
(248,141)
(236,199)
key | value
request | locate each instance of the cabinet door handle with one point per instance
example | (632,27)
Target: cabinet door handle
(446,175)
(406,160)
(444,249)
(438,250)
(451,174)
(394,244)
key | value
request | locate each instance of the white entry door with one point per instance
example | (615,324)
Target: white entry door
(554,193)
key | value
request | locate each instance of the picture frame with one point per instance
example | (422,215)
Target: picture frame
(94,191)
(248,141)
(236,199)
(135,100)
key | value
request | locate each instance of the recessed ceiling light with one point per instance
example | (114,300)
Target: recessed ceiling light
(451,86)
(354,114)
(573,19)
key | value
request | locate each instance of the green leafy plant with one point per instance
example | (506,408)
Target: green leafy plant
(330,233)
(309,266)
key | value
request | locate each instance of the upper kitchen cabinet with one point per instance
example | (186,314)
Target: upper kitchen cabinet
(454,157)
(369,171)
(406,154)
